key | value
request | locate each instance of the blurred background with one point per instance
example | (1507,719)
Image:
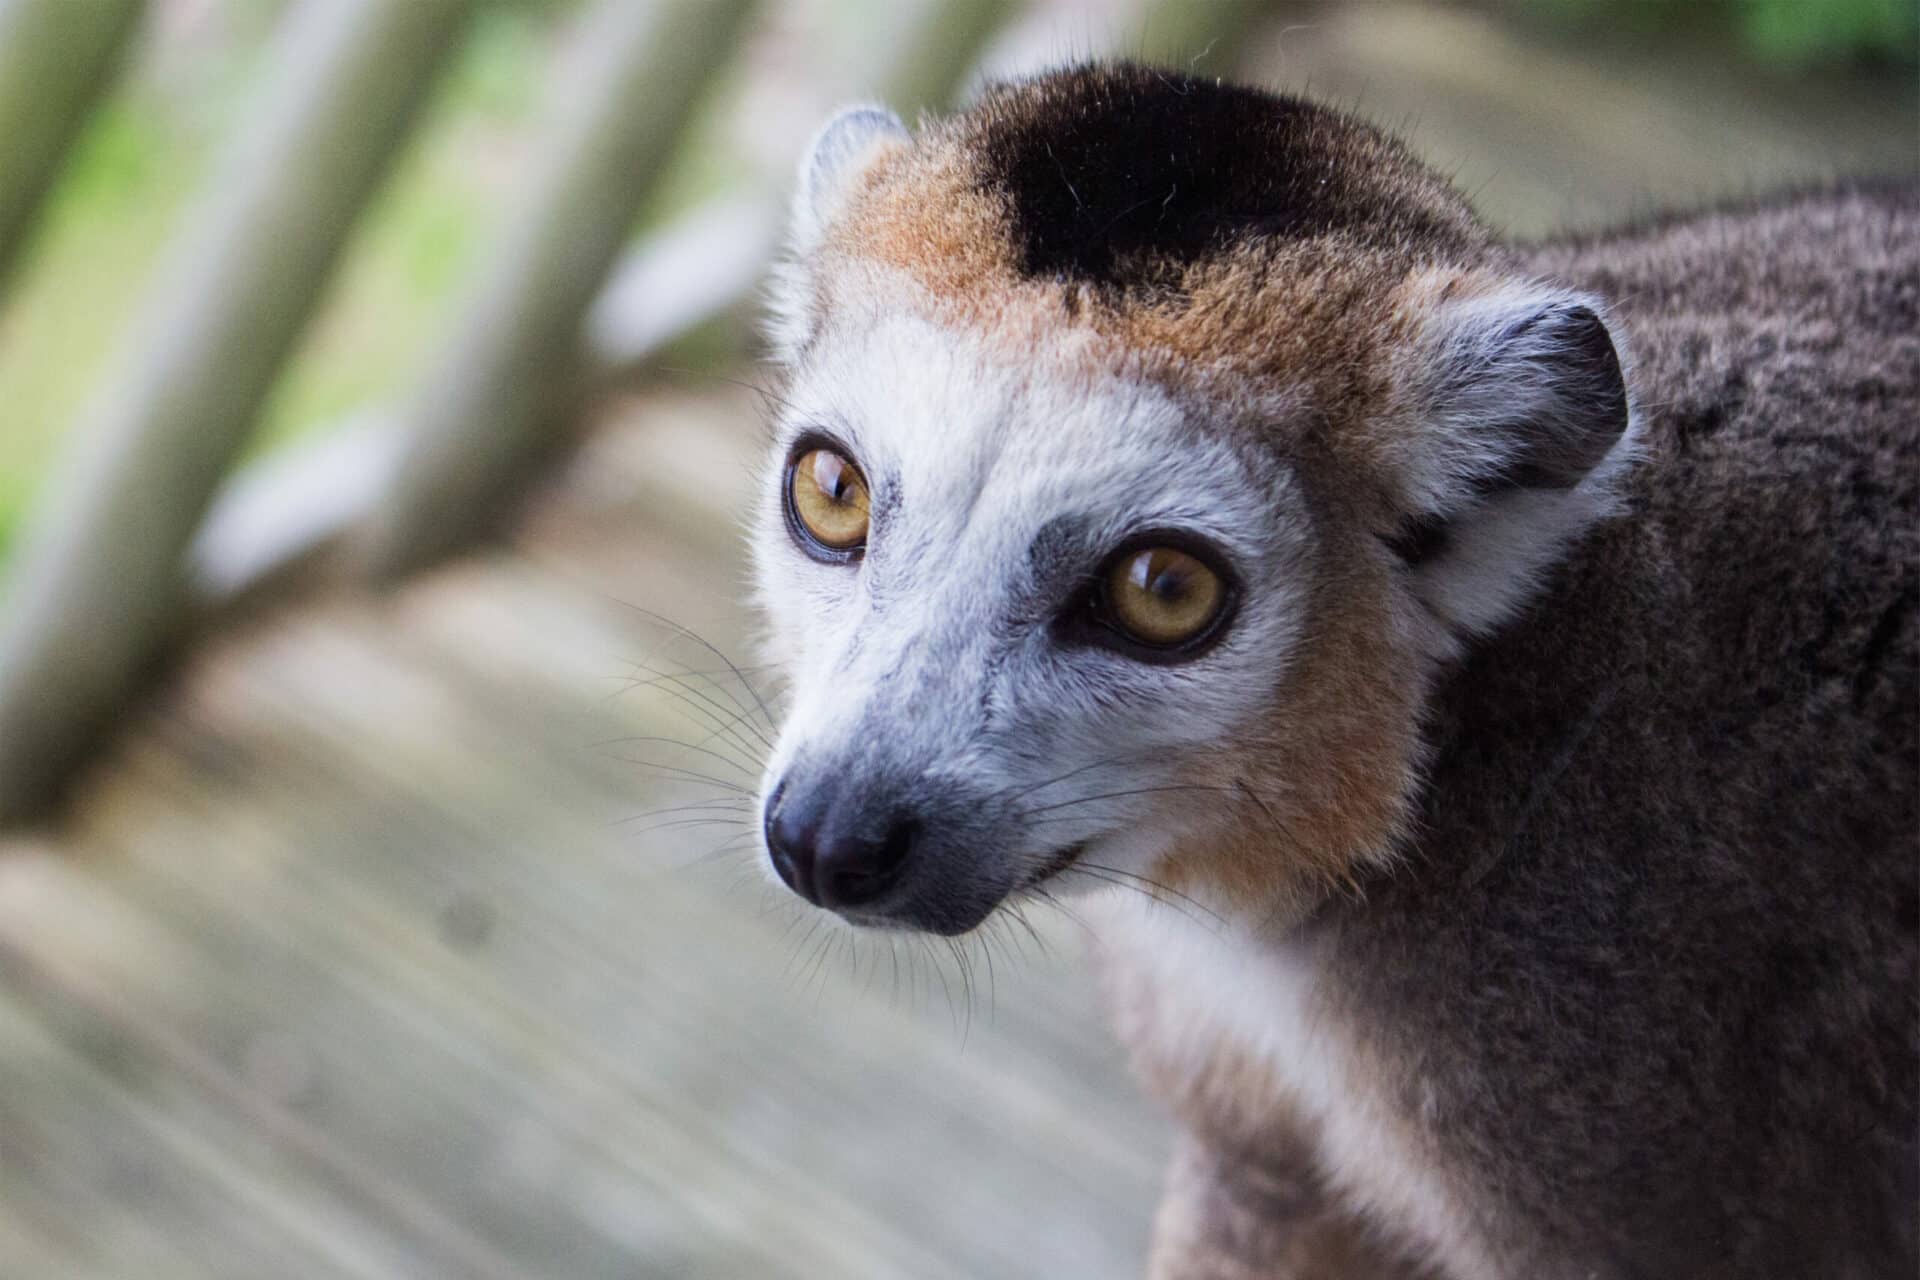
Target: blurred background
(377,719)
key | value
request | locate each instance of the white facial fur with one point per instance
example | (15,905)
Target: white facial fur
(929,680)
(931,669)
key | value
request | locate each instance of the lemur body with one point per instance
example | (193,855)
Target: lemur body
(1510,695)
(1647,985)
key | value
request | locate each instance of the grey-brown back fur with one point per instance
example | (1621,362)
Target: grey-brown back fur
(1651,974)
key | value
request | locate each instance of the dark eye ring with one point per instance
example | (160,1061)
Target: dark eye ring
(1163,596)
(827,502)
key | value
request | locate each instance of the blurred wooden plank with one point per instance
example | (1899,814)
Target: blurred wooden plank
(380,839)
(115,1142)
(388,1090)
(104,1202)
(33,1249)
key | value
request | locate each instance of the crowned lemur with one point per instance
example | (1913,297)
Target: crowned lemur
(1495,667)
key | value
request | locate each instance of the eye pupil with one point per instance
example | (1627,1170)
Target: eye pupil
(1159,574)
(830,475)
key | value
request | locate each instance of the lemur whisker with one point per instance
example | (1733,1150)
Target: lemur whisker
(1047,896)
(766,394)
(712,648)
(733,703)
(815,962)
(1157,886)
(933,963)
(704,671)
(690,775)
(794,959)
(770,904)
(1241,785)
(719,717)
(1120,795)
(1175,907)
(646,664)
(732,711)
(1119,880)
(722,724)
(736,820)
(731,845)
(986,956)
(730,718)
(1019,916)
(893,957)
(966,987)
(831,945)
(711,806)
(1016,912)
(683,824)
(1071,773)
(709,752)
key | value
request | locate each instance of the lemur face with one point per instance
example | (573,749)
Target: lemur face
(1145,445)
(1017,605)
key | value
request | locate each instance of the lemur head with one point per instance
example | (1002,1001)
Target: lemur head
(1145,445)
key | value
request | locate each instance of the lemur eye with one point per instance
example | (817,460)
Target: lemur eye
(827,503)
(1162,597)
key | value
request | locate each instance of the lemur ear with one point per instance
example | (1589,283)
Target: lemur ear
(844,148)
(1522,428)
(841,151)
(1519,390)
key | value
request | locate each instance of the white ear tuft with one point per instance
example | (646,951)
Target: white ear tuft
(844,148)
(1524,426)
(1523,389)
(840,152)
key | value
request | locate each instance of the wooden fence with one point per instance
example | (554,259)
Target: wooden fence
(144,526)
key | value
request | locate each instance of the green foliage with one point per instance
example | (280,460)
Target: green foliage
(131,178)
(125,183)
(1790,33)
(1802,31)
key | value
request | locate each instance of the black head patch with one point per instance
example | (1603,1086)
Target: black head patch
(1121,175)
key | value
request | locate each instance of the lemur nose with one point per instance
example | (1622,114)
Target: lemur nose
(829,855)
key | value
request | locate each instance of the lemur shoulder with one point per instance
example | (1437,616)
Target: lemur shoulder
(1497,664)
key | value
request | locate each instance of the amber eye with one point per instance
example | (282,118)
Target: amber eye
(827,499)
(1162,597)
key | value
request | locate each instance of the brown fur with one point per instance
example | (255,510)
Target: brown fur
(1258,307)
(1646,982)
(1228,1217)
(1332,779)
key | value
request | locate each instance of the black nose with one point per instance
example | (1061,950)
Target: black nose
(832,854)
